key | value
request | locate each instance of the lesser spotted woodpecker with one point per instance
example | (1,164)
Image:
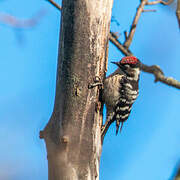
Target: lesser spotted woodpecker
(120,91)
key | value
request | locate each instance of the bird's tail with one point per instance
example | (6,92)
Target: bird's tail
(117,126)
(109,121)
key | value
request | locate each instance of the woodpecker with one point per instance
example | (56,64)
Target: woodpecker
(120,91)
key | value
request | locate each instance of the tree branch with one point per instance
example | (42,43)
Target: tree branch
(134,24)
(125,35)
(120,46)
(55,4)
(178,12)
(160,2)
(159,75)
(155,70)
(140,9)
(168,3)
(149,10)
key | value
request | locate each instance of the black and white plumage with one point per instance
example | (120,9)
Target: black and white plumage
(120,91)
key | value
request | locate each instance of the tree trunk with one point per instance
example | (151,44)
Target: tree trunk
(72,135)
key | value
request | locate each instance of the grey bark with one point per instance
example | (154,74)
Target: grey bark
(72,135)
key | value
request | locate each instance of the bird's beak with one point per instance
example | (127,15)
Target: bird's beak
(118,64)
(115,63)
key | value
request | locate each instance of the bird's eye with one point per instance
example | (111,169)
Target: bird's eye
(132,65)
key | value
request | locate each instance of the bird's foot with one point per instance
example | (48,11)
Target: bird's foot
(97,82)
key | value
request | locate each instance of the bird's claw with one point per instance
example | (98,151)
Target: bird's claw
(97,82)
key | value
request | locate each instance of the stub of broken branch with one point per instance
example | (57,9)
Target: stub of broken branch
(41,134)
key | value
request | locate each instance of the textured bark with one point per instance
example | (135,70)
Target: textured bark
(72,135)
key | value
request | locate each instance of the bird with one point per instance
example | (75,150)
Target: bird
(120,90)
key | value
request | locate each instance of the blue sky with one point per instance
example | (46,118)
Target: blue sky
(148,147)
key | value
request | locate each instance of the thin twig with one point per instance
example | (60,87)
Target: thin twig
(160,2)
(178,12)
(134,24)
(125,35)
(120,46)
(115,35)
(149,10)
(55,4)
(155,70)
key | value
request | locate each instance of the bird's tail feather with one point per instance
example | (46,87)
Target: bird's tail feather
(117,126)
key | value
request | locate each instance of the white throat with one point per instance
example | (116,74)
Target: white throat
(136,73)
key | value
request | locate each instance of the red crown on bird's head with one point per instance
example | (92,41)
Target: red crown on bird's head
(129,60)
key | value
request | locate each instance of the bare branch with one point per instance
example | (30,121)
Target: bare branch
(167,3)
(178,12)
(55,4)
(149,10)
(120,46)
(125,35)
(155,70)
(140,9)
(159,75)
(134,24)
(160,2)
(115,34)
